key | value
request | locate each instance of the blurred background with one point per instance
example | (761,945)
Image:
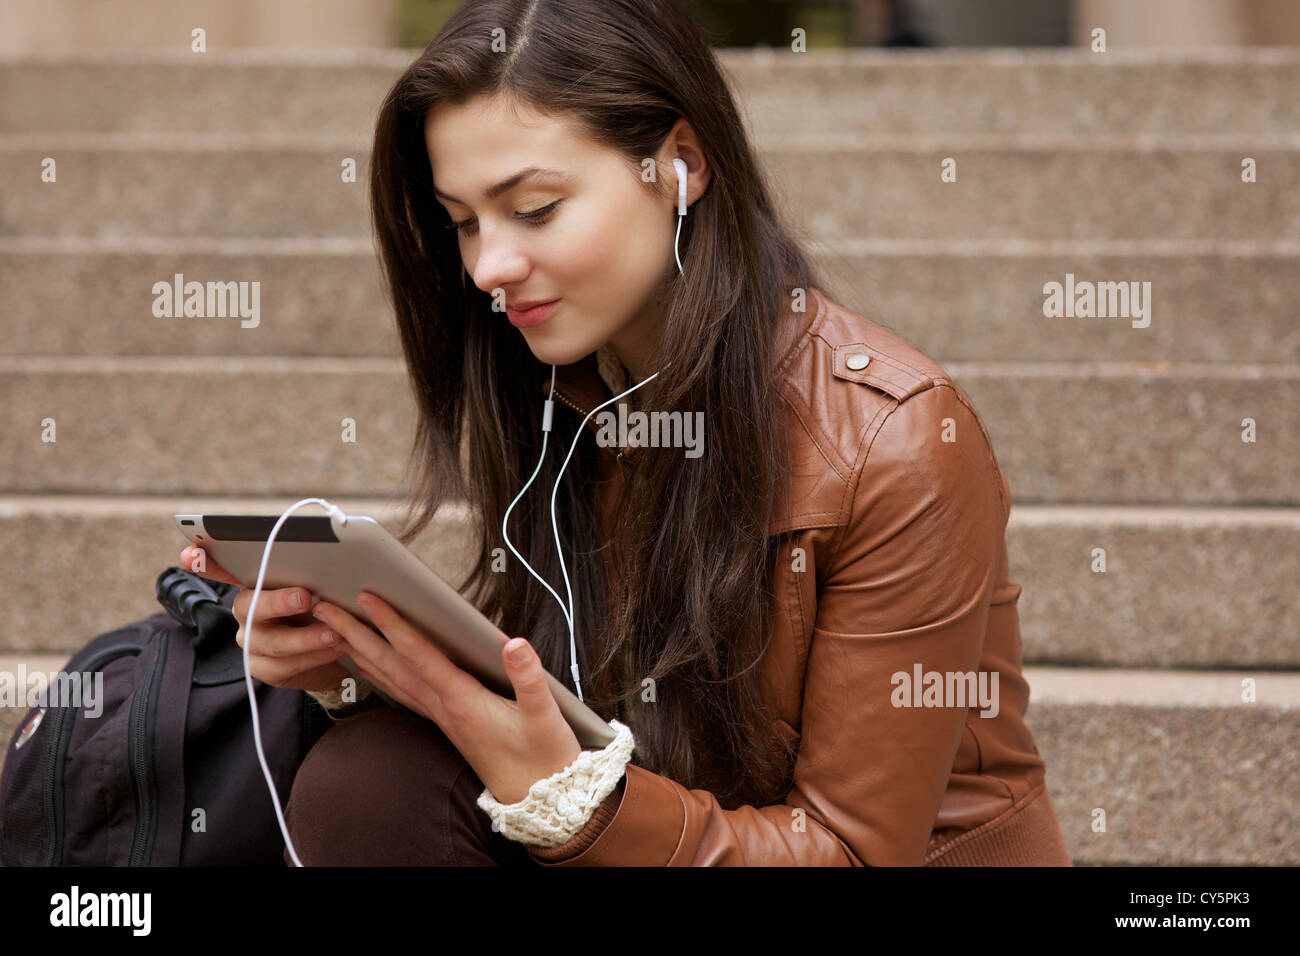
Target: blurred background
(1156,505)
(45,26)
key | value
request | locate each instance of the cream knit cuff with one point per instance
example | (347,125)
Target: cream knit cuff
(560,805)
(332,699)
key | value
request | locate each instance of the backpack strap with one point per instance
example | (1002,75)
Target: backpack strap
(203,607)
(182,593)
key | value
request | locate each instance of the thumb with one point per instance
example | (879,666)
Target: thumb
(196,560)
(528,678)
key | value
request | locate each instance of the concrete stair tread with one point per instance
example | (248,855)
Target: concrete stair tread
(1150,687)
(829,141)
(1160,753)
(1069,614)
(1164,189)
(290,411)
(946,90)
(323,296)
(1149,246)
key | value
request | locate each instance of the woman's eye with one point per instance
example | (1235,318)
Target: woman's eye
(538,217)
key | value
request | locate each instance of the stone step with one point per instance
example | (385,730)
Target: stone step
(1210,301)
(1186,771)
(1152,433)
(1065,432)
(834,186)
(131,541)
(337,92)
(1233,604)
(1144,747)
(946,91)
(953,92)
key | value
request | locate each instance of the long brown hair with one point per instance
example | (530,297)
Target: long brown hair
(694,610)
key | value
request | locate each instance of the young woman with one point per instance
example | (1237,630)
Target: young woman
(801,629)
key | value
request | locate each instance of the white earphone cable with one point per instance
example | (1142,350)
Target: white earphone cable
(333,509)
(569,611)
(547,417)
(248,678)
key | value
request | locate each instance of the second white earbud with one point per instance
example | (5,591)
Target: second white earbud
(680,166)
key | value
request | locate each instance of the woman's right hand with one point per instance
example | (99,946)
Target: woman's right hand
(300,656)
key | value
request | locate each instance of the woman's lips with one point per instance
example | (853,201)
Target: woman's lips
(528,318)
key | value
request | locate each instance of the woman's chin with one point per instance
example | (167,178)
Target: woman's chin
(552,352)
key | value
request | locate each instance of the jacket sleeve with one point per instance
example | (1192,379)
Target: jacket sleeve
(908,585)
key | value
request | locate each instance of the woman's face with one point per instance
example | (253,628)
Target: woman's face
(602,244)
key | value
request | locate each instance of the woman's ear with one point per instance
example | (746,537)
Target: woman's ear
(683,144)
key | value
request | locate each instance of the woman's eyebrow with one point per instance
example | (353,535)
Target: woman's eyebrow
(532,173)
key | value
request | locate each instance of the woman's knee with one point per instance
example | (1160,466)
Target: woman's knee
(379,789)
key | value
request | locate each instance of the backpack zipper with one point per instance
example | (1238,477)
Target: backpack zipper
(140,759)
(57,751)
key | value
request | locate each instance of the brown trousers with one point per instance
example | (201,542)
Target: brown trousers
(387,788)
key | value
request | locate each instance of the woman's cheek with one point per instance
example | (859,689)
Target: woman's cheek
(583,247)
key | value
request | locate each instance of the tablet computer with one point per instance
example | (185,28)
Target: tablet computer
(338,556)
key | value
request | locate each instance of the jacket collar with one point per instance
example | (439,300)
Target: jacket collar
(580,387)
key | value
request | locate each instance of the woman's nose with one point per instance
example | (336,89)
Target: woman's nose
(498,265)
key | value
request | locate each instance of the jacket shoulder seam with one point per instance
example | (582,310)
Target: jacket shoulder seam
(681,837)
(801,342)
(834,457)
(992,463)
(866,441)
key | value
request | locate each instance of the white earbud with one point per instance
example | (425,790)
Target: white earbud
(680,166)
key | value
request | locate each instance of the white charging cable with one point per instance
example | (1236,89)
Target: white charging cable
(248,678)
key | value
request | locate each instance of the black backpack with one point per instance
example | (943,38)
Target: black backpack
(164,772)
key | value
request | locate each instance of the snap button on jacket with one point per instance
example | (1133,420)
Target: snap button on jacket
(900,509)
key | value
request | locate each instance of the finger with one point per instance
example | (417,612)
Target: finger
(396,693)
(366,648)
(528,678)
(325,677)
(423,668)
(279,670)
(401,685)
(207,568)
(272,604)
(285,640)
(408,650)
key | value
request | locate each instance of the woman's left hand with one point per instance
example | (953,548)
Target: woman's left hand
(510,744)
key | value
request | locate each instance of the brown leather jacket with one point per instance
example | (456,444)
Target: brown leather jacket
(900,508)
